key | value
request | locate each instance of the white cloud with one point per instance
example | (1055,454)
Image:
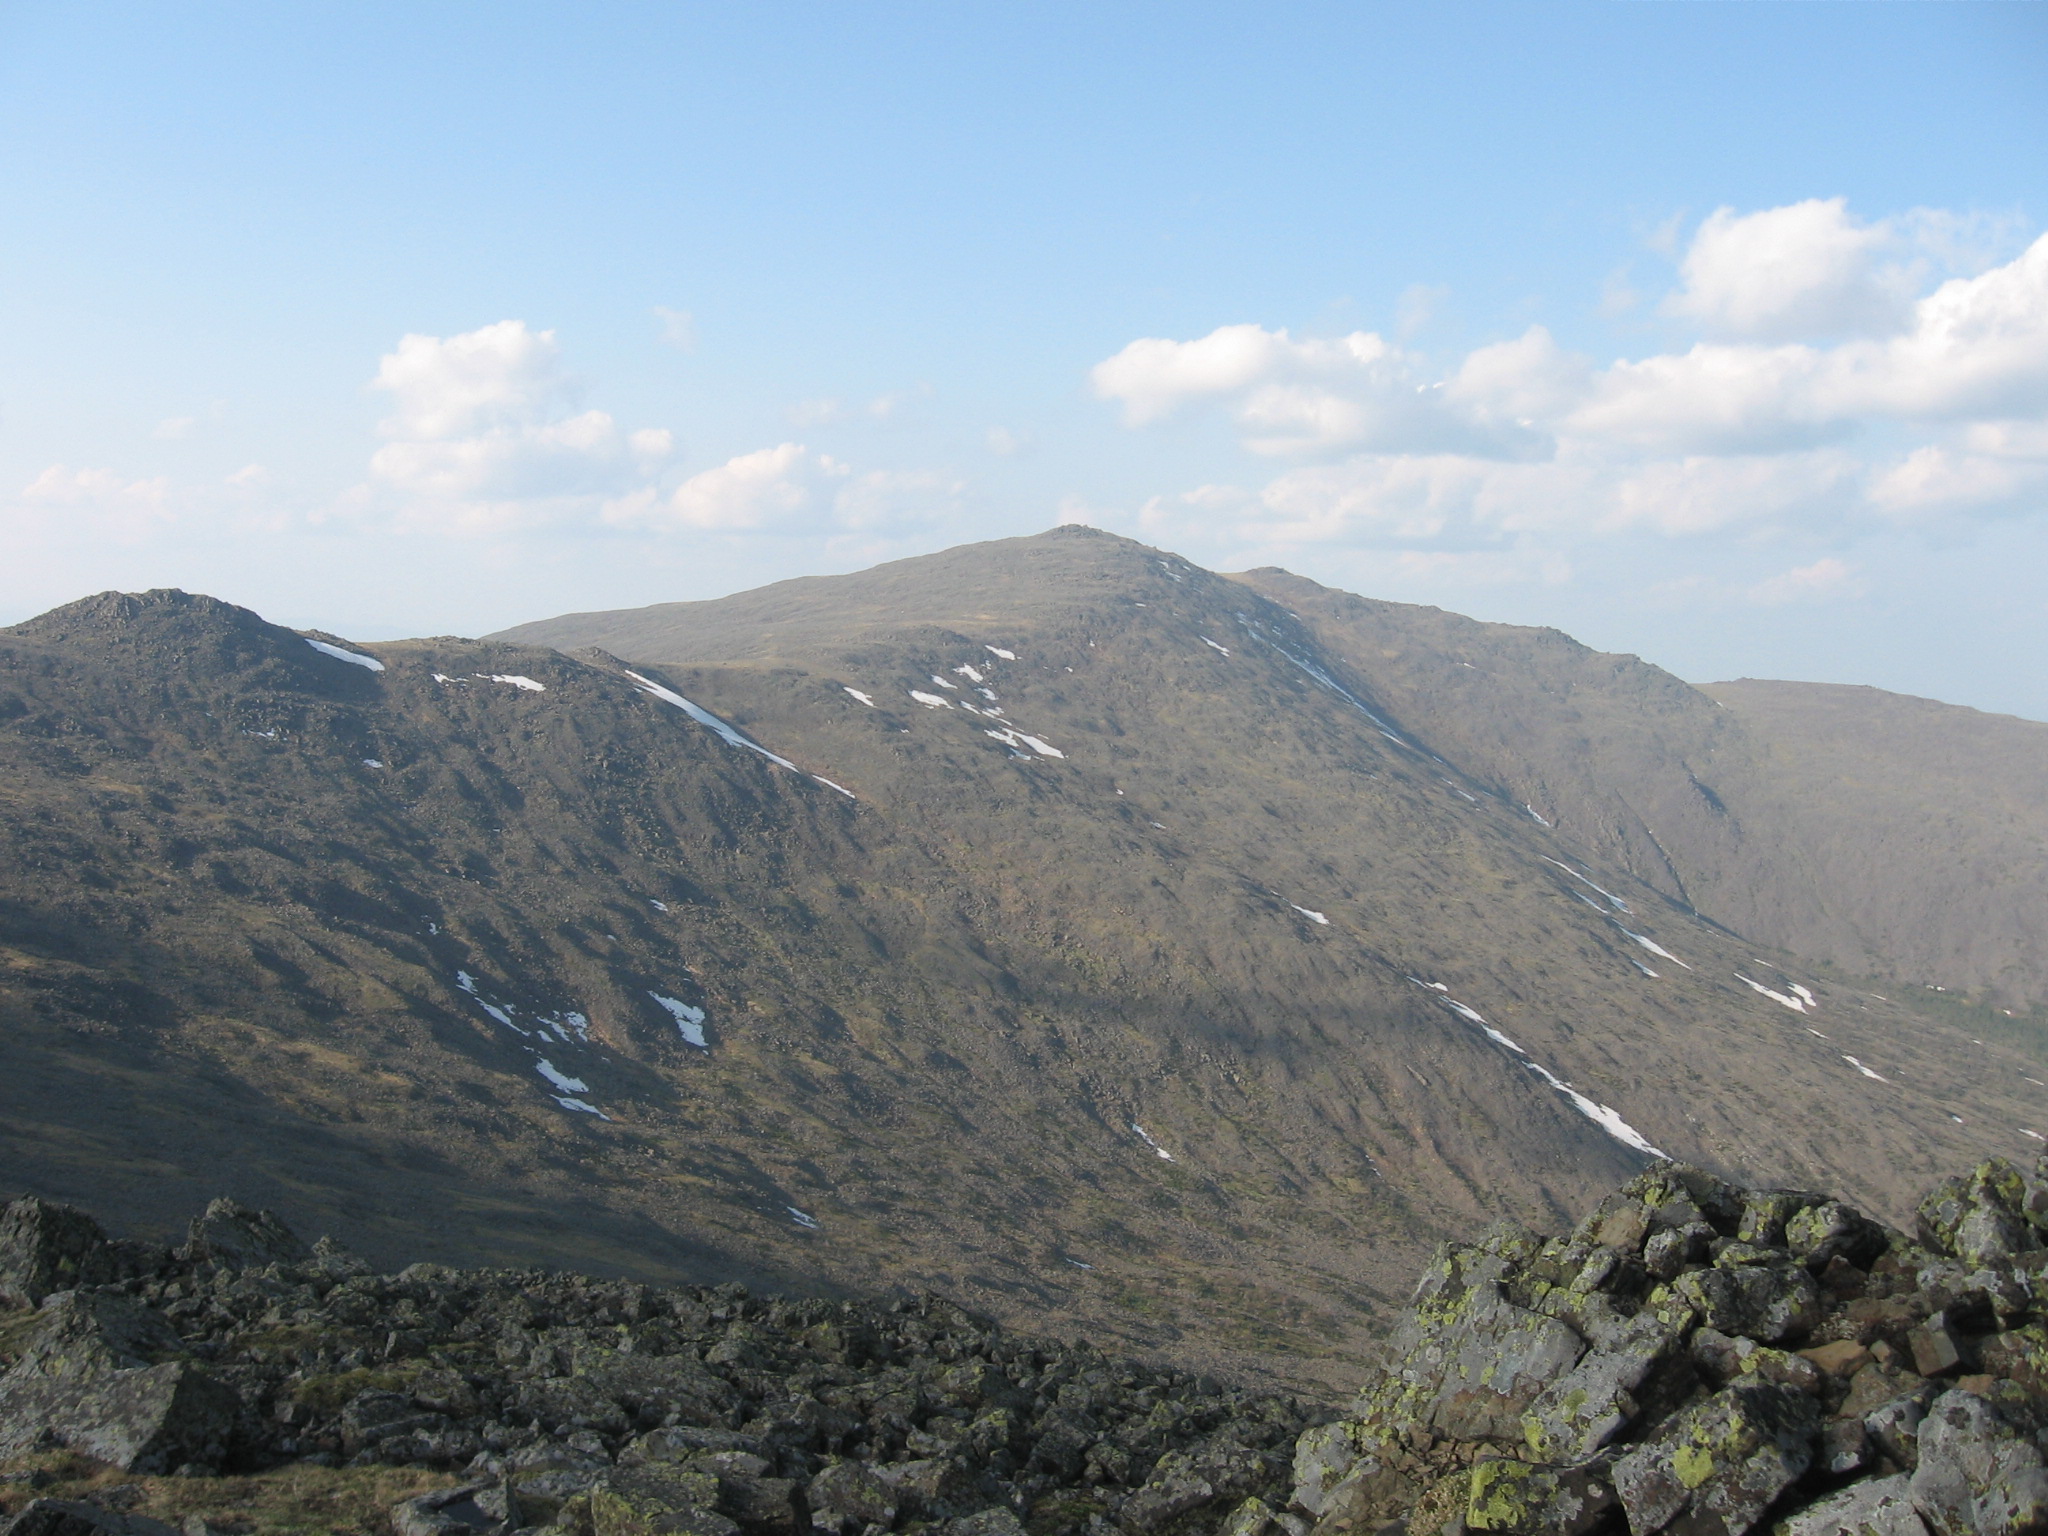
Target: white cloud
(1825,578)
(678,327)
(1925,407)
(782,487)
(483,434)
(96,501)
(1302,397)
(171,428)
(1800,271)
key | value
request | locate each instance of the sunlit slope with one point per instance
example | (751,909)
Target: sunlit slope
(1208,735)
(1885,835)
(1050,922)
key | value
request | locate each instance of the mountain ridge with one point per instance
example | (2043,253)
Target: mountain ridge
(1185,990)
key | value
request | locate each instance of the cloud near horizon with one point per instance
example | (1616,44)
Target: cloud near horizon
(1839,385)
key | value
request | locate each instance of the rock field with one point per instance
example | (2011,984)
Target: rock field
(1692,1358)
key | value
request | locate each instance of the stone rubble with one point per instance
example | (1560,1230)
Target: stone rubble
(1692,1358)
(588,1407)
(1704,1360)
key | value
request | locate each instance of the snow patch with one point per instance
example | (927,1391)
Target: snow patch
(1214,646)
(578,1104)
(1785,998)
(997,650)
(1632,960)
(1867,1072)
(659,906)
(689,1021)
(944,684)
(931,700)
(840,787)
(861,696)
(705,718)
(968,672)
(1018,741)
(1534,812)
(523,684)
(807,1222)
(1599,1114)
(353,658)
(1146,1137)
(1314,917)
(1652,946)
(561,1080)
(371,762)
(1619,904)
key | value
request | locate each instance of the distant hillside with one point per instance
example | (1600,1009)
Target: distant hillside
(1051,923)
(1888,836)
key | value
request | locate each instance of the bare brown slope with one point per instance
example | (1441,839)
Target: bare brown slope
(1204,729)
(1924,828)
(1889,836)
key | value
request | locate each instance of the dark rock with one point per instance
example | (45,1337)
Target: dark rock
(1978,1474)
(1723,1461)
(1519,1498)
(849,1496)
(233,1236)
(151,1420)
(66,1517)
(46,1247)
(83,1334)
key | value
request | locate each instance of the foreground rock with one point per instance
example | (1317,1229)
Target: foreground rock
(1707,1360)
(1693,1358)
(600,1407)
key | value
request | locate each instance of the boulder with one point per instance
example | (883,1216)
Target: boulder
(1722,1461)
(1978,1474)
(1765,1302)
(657,1501)
(230,1235)
(1593,1402)
(1519,1498)
(153,1420)
(68,1517)
(1470,1362)
(83,1334)
(46,1247)
(1979,1217)
(1880,1506)
(849,1496)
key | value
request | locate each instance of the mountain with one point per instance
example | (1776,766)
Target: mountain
(1886,836)
(1052,923)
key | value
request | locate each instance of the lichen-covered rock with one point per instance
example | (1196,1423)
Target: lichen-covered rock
(1880,1506)
(1471,1361)
(657,1501)
(1593,1402)
(152,1420)
(1980,1217)
(72,1517)
(1520,1498)
(850,1496)
(47,1247)
(83,1334)
(234,1236)
(1766,1302)
(1978,1474)
(1723,1460)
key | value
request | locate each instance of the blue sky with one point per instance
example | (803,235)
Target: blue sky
(1713,332)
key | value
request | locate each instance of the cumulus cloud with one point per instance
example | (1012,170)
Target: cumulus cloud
(1825,578)
(1807,269)
(1305,396)
(484,433)
(108,504)
(1837,384)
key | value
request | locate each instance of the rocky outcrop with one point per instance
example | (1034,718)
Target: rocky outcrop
(1701,1359)
(610,1408)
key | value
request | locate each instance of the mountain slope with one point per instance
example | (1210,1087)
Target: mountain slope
(1887,836)
(1139,968)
